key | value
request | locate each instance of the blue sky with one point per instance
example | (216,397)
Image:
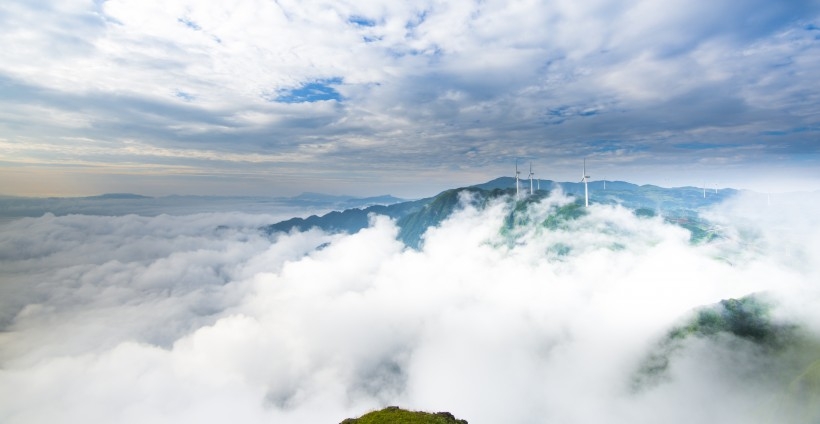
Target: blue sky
(371,97)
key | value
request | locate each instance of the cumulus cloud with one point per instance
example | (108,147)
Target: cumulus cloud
(414,85)
(202,318)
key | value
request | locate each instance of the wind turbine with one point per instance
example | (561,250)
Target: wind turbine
(530,176)
(584,180)
(517,172)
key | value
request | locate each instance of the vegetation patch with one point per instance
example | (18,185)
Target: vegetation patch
(396,415)
(563,214)
(747,318)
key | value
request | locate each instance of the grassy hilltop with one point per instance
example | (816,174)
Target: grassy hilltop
(396,415)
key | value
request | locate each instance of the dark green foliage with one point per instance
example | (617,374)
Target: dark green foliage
(413,218)
(519,215)
(568,212)
(700,231)
(396,415)
(747,318)
(412,226)
(348,221)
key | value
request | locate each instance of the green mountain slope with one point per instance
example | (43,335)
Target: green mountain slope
(678,205)
(786,359)
(349,220)
(413,225)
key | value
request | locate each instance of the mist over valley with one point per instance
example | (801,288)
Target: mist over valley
(495,306)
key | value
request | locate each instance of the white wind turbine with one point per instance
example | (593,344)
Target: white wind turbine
(584,180)
(517,172)
(530,176)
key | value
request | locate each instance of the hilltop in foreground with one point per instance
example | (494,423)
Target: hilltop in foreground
(396,415)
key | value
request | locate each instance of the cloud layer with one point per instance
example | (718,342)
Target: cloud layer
(263,94)
(202,318)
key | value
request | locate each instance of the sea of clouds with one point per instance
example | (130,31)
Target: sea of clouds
(204,318)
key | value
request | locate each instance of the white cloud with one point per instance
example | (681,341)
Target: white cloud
(419,84)
(201,318)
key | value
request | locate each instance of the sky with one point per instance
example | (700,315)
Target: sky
(259,97)
(203,318)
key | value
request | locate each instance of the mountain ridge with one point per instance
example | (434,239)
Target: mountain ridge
(677,205)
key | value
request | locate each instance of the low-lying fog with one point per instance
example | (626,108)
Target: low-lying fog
(203,318)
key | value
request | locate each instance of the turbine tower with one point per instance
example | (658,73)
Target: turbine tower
(517,172)
(584,180)
(531,175)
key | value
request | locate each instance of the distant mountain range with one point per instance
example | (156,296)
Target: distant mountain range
(633,196)
(318,199)
(127,203)
(679,205)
